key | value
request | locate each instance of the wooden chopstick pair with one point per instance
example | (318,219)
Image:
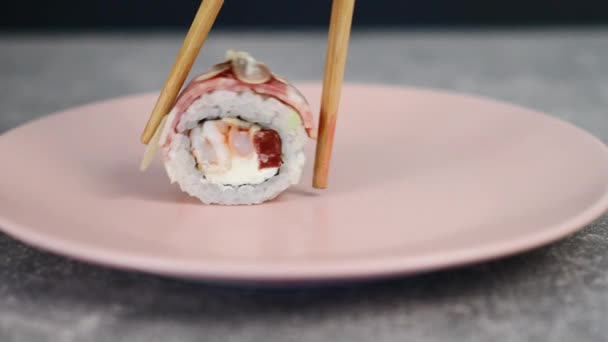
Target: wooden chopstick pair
(337,50)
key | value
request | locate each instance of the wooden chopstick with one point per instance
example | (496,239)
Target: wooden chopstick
(337,50)
(153,146)
(199,30)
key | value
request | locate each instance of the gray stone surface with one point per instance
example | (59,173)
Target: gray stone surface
(555,293)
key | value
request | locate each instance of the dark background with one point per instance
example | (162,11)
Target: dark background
(97,15)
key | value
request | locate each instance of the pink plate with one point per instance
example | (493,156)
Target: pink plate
(420,180)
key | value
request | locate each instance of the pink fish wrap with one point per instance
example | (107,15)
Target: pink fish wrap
(226,80)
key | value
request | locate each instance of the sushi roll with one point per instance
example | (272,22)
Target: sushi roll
(236,134)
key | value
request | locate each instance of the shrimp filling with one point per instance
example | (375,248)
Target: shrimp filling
(234,152)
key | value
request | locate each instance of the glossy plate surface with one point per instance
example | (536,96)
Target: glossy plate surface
(420,180)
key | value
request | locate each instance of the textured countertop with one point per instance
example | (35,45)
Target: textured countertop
(555,293)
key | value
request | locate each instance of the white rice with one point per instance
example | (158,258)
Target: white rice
(265,111)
